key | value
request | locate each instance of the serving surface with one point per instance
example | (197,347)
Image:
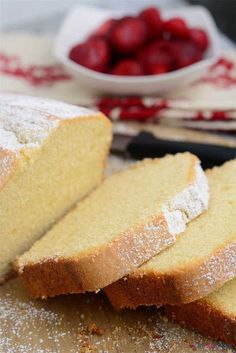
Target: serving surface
(87,323)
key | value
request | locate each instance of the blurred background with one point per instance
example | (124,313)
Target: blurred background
(204,110)
(24,13)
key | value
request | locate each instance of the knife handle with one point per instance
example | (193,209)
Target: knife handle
(147,145)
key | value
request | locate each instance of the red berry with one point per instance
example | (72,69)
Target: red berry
(128,34)
(162,44)
(157,69)
(185,53)
(151,16)
(176,27)
(127,67)
(156,57)
(104,29)
(199,37)
(93,54)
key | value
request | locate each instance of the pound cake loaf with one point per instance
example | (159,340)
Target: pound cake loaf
(132,216)
(202,260)
(213,316)
(51,155)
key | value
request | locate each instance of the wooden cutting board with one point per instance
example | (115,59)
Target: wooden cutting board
(88,324)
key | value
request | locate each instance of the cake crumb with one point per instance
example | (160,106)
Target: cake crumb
(95,330)
(87,347)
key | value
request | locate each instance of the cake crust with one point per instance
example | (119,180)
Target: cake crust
(76,275)
(125,253)
(205,318)
(178,287)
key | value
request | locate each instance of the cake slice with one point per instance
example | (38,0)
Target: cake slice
(132,216)
(202,260)
(51,155)
(214,315)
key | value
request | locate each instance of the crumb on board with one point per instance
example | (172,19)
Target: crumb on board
(93,329)
(87,347)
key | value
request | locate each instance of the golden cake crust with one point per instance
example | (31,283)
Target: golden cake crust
(76,275)
(178,287)
(206,319)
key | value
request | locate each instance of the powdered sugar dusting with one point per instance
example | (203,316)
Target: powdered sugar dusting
(23,127)
(224,268)
(52,107)
(219,268)
(148,241)
(24,318)
(6,164)
(188,204)
(26,121)
(63,325)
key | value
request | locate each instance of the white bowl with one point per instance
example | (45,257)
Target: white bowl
(83,20)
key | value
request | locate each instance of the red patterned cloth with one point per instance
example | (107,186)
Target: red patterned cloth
(222,74)
(27,65)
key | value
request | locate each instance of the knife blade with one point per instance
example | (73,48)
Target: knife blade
(145,144)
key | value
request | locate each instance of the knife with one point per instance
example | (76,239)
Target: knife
(145,144)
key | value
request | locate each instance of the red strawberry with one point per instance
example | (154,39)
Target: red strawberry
(93,54)
(185,53)
(152,18)
(128,34)
(176,27)
(128,67)
(199,37)
(104,29)
(156,57)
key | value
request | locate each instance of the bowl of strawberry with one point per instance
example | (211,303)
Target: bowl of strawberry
(148,52)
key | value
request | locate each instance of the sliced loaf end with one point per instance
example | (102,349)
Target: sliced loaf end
(51,155)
